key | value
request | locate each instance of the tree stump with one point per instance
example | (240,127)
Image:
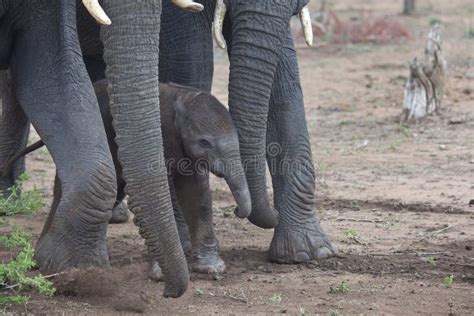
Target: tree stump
(424,87)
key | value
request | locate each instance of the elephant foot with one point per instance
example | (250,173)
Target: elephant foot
(297,244)
(154,272)
(56,252)
(209,264)
(206,259)
(120,213)
(264,217)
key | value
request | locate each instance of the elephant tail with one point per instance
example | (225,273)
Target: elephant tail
(25,151)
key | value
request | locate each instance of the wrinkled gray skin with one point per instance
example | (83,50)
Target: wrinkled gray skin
(266,105)
(198,136)
(49,87)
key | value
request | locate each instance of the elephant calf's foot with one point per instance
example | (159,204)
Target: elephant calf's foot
(210,263)
(57,252)
(120,213)
(296,244)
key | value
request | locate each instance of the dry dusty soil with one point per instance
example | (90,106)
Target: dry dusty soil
(394,199)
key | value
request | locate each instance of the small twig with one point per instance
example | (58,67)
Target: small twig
(11,287)
(52,275)
(442,230)
(423,254)
(243,298)
(376,221)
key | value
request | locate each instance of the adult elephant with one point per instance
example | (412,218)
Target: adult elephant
(266,104)
(50,87)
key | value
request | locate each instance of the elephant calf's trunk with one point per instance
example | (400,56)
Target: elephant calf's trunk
(240,191)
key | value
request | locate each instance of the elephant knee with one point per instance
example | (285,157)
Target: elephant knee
(95,186)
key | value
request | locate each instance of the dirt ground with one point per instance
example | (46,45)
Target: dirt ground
(395,200)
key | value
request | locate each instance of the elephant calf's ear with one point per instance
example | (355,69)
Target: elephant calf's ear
(179,113)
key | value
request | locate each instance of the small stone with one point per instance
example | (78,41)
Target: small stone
(468,247)
(443,147)
(457,120)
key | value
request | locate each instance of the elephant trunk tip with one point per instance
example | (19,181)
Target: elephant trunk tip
(244,205)
(266,218)
(175,290)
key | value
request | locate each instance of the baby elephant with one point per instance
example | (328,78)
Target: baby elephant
(198,137)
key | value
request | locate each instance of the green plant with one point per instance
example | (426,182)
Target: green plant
(342,288)
(276,298)
(199,292)
(334,312)
(14,277)
(470,32)
(20,201)
(405,131)
(346,122)
(434,20)
(350,233)
(352,236)
(448,281)
(432,260)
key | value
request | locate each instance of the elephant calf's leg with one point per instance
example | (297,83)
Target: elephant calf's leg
(194,198)
(298,236)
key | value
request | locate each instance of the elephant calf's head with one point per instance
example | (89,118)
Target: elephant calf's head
(209,139)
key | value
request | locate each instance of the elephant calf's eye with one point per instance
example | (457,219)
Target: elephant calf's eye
(205,143)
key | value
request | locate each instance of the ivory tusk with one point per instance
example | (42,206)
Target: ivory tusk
(219,23)
(188,5)
(307,25)
(96,11)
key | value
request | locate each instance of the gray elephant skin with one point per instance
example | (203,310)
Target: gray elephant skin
(49,86)
(198,136)
(266,104)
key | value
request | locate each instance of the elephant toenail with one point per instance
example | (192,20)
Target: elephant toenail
(323,253)
(302,256)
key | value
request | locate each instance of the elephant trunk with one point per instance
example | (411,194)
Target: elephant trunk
(235,177)
(254,54)
(131,49)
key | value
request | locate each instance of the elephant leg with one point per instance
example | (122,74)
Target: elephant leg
(298,236)
(183,230)
(155,272)
(14,129)
(57,96)
(186,46)
(194,198)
